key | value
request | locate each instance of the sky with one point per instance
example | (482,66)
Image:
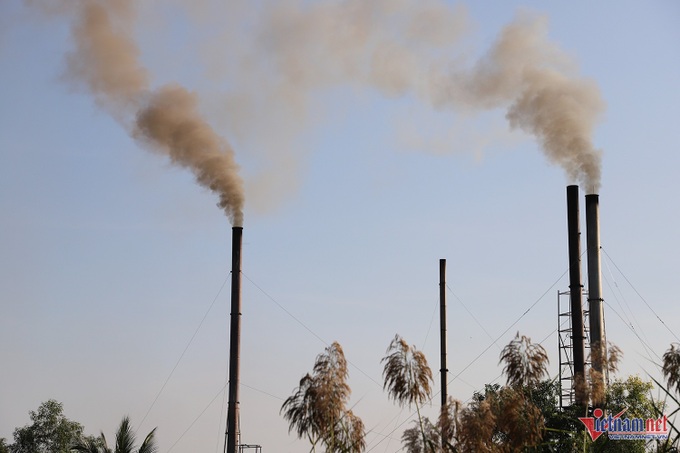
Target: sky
(115,262)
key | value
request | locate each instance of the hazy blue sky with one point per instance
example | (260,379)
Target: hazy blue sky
(110,256)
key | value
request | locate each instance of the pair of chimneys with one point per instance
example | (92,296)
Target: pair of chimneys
(595,312)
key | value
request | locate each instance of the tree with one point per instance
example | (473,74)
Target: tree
(317,409)
(50,432)
(407,377)
(4,448)
(125,442)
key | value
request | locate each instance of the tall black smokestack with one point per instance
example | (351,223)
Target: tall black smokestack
(575,291)
(234,341)
(595,309)
(442,336)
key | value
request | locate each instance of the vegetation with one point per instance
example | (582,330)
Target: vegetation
(526,363)
(671,368)
(125,442)
(317,410)
(407,379)
(49,432)
(521,416)
(671,372)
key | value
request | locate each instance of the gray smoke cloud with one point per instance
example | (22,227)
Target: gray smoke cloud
(417,48)
(276,56)
(106,62)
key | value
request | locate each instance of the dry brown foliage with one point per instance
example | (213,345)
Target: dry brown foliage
(504,421)
(525,362)
(581,388)
(407,375)
(350,434)
(449,417)
(604,360)
(614,356)
(317,408)
(671,367)
(477,425)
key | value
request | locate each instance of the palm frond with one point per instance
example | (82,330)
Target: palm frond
(149,444)
(125,437)
(88,445)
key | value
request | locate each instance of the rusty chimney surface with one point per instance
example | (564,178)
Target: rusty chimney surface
(595,308)
(234,342)
(575,291)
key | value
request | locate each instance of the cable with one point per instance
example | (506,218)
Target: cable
(183,352)
(262,391)
(644,344)
(480,354)
(427,335)
(509,327)
(473,316)
(199,416)
(629,319)
(306,328)
(222,412)
(640,296)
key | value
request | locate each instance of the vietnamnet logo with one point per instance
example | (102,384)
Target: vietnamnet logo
(618,428)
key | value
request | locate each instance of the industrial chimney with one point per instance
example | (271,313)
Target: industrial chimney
(234,342)
(598,347)
(575,292)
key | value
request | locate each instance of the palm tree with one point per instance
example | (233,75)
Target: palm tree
(407,377)
(526,363)
(125,442)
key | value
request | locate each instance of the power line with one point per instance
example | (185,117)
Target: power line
(626,310)
(199,416)
(460,301)
(640,296)
(429,328)
(263,392)
(308,329)
(183,352)
(509,327)
(494,341)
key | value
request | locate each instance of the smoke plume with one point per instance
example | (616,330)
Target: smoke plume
(277,55)
(417,48)
(106,62)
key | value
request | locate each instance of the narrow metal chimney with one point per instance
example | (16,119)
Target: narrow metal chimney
(595,309)
(234,342)
(442,336)
(575,291)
